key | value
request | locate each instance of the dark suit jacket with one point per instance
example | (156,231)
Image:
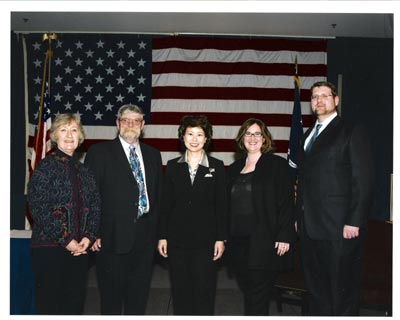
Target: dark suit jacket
(273,203)
(335,180)
(194,216)
(120,228)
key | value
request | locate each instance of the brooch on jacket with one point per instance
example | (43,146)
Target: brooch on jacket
(209,174)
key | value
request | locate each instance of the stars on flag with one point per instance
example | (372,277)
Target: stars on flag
(92,75)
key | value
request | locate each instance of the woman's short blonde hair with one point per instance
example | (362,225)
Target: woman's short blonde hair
(64,119)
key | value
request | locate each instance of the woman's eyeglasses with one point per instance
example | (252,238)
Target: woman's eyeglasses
(255,134)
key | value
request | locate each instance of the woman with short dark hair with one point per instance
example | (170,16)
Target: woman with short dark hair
(193,220)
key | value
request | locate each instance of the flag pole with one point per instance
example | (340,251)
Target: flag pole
(46,78)
(296,130)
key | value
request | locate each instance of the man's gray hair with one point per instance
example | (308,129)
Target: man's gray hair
(129,108)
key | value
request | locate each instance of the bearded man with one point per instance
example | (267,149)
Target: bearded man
(128,174)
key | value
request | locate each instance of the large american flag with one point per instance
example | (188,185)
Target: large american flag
(227,79)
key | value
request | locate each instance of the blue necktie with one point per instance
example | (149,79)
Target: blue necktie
(313,138)
(137,172)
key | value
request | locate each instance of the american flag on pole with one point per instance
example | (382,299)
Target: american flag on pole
(41,140)
(296,130)
(226,79)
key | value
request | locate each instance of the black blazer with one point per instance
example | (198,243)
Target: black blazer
(194,216)
(273,203)
(120,228)
(335,180)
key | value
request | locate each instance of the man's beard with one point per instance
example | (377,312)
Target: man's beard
(130,136)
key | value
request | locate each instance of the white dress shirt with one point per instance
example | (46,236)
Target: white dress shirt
(323,124)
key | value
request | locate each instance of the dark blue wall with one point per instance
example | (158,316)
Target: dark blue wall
(17,152)
(366,66)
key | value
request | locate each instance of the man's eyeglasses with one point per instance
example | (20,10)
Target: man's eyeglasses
(126,121)
(322,96)
(255,134)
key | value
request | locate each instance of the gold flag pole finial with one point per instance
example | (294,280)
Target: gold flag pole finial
(295,66)
(49,37)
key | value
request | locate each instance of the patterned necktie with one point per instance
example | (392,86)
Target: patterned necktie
(313,138)
(137,172)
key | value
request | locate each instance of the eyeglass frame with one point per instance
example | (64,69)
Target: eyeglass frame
(322,96)
(256,135)
(126,121)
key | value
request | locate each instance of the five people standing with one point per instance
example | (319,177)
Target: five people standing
(196,209)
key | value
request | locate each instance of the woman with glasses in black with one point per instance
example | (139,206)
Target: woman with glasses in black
(261,217)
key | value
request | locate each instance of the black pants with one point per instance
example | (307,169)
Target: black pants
(193,280)
(256,284)
(124,280)
(332,274)
(60,281)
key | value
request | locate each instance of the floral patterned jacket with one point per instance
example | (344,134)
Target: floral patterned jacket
(64,201)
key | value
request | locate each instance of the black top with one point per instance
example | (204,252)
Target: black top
(272,200)
(242,212)
(194,215)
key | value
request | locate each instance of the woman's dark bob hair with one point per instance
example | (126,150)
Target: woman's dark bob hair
(192,121)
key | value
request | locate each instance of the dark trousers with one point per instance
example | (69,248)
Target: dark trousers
(124,281)
(60,281)
(332,274)
(256,284)
(193,280)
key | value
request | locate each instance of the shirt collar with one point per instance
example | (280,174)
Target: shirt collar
(64,155)
(203,162)
(327,120)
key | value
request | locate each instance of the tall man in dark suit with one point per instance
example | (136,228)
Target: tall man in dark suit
(335,191)
(129,183)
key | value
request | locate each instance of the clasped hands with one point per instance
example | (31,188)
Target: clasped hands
(77,248)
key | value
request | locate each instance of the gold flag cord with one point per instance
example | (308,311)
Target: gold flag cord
(296,76)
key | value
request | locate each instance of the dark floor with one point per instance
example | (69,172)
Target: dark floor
(229,301)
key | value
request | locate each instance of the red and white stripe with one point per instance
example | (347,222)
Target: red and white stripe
(230,80)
